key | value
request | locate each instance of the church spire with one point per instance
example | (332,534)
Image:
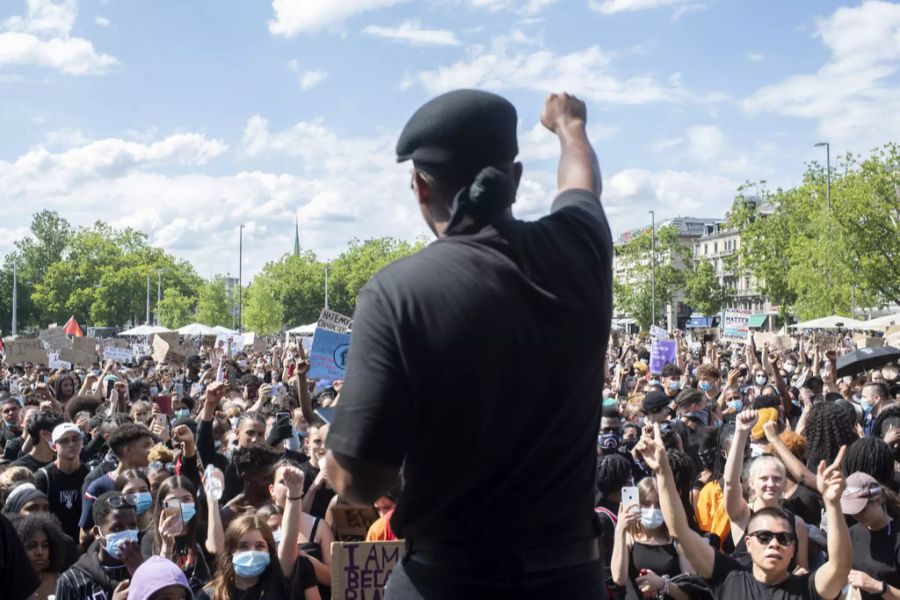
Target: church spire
(296,236)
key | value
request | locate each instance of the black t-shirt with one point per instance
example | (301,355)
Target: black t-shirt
(806,504)
(731,581)
(64,494)
(477,363)
(877,553)
(323,495)
(27,460)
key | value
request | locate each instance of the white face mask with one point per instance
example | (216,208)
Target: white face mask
(761,380)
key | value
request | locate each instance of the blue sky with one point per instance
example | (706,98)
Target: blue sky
(187,118)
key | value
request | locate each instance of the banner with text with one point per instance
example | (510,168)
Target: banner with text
(360,570)
(737,325)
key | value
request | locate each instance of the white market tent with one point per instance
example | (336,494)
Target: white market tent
(882,323)
(832,322)
(221,329)
(309,329)
(197,329)
(144,330)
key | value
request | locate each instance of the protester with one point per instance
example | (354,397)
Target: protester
(62,479)
(45,546)
(39,427)
(156,579)
(135,485)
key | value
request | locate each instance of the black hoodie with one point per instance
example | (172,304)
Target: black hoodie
(87,578)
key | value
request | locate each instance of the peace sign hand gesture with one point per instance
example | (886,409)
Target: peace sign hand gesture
(829,480)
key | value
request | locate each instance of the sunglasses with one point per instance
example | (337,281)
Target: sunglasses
(161,466)
(120,501)
(784,538)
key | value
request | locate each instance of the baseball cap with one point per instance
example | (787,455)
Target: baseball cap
(860,488)
(62,429)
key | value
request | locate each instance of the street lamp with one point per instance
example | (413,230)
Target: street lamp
(147,319)
(15,297)
(241,282)
(326,286)
(828,170)
(158,293)
(653,263)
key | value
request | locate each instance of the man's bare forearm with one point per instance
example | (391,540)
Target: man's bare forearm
(578,166)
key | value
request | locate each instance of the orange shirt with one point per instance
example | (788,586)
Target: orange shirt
(710,511)
(380,530)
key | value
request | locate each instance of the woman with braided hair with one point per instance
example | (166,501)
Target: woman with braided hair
(873,457)
(827,429)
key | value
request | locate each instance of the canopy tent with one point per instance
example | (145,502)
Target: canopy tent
(197,329)
(309,329)
(757,321)
(73,328)
(144,330)
(221,329)
(882,323)
(832,322)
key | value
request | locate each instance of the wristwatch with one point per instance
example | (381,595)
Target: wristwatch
(884,587)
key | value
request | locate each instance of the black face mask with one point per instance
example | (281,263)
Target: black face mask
(629,445)
(708,458)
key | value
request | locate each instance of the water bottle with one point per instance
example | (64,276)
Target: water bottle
(213,483)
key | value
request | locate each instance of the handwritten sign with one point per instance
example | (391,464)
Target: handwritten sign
(360,570)
(165,351)
(54,363)
(55,338)
(781,343)
(334,321)
(658,332)
(662,352)
(864,341)
(328,355)
(737,325)
(236,339)
(25,350)
(118,354)
(351,523)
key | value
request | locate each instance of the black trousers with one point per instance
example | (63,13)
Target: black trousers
(414,580)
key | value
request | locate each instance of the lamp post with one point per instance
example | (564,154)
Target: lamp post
(147,319)
(326,285)
(653,265)
(15,298)
(827,171)
(158,294)
(241,282)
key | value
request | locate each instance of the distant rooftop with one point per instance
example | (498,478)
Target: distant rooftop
(687,227)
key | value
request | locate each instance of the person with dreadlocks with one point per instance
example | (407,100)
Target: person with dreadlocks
(613,472)
(683,471)
(710,512)
(827,429)
(873,457)
(707,442)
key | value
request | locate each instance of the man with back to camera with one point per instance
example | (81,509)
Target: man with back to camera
(507,320)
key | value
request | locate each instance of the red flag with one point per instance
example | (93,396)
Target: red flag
(73,328)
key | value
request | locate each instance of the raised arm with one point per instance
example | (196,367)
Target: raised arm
(832,576)
(629,516)
(205,443)
(778,382)
(215,532)
(290,523)
(696,549)
(793,464)
(566,116)
(735,504)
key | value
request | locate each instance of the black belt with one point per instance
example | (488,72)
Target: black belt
(544,558)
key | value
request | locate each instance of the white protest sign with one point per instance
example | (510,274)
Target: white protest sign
(334,321)
(737,325)
(23,350)
(118,354)
(360,570)
(54,363)
(658,332)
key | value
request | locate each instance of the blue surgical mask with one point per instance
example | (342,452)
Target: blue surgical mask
(705,386)
(182,412)
(250,563)
(11,423)
(675,385)
(867,407)
(217,444)
(188,510)
(115,540)
(653,382)
(737,405)
(651,518)
(142,501)
(761,380)
(234,422)
(277,535)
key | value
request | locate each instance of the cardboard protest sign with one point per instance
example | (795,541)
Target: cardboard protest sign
(164,351)
(83,352)
(737,325)
(118,354)
(351,523)
(328,354)
(115,343)
(171,337)
(54,363)
(892,337)
(662,352)
(658,332)
(863,341)
(24,350)
(55,338)
(360,570)
(781,343)
(222,340)
(334,321)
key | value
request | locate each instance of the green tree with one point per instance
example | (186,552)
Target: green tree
(213,307)
(703,290)
(634,293)
(299,282)
(262,312)
(176,310)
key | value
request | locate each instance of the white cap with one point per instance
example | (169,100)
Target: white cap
(62,429)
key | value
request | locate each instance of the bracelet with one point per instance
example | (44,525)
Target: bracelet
(300,497)
(665,587)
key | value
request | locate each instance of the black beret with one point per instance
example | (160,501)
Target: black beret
(654,401)
(459,133)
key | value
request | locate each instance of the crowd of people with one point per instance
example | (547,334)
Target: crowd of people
(146,479)
(735,468)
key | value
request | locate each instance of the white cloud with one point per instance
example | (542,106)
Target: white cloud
(705,142)
(412,32)
(755,57)
(492,5)
(666,144)
(853,97)
(609,7)
(293,17)
(307,79)
(42,38)
(102,21)
(586,73)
